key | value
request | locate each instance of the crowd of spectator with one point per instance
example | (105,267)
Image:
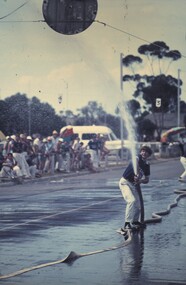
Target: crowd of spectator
(26,157)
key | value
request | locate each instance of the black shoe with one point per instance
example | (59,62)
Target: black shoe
(130,226)
(124,233)
(139,224)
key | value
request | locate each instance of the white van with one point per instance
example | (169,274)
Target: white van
(85,133)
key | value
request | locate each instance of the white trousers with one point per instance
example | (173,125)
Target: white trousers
(130,195)
(183,162)
(94,158)
(7,171)
(21,162)
(26,169)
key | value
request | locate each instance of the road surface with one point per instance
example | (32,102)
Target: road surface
(44,221)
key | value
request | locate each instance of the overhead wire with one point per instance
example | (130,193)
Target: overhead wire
(21,21)
(96,21)
(12,12)
(132,35)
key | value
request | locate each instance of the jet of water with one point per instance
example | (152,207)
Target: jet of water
(130,125)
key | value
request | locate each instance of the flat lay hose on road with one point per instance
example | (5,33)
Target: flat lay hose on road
(156,217)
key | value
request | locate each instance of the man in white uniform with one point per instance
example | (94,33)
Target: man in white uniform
(128,185)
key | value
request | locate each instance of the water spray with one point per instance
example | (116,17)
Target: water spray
(131,128)
(130,125)
(126,115)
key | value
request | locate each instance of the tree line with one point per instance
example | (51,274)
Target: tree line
(19,114)
(153,94)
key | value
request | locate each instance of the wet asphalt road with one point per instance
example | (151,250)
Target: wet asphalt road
(43,221)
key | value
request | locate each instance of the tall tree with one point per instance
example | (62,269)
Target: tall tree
(92,113)
(158,86)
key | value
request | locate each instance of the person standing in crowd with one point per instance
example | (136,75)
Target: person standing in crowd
(6,146)
(129,184)
(24,155)
(76,144)
(36,143)
(66,157)
(16,149)
(75,158)
(2,157)
(67,150)
(49,153)
(182,144)
(58,151)
(24,145)
(36,146)
(27,151)
(104,151)
(55,139)
(94,146)
(30,150)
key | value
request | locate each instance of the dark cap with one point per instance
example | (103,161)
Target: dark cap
(147,149)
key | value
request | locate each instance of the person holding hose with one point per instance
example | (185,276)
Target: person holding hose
(129,185)
(182,144)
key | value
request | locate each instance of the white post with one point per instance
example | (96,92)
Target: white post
(66,83)
(29,117)
(121,119)
(178,108)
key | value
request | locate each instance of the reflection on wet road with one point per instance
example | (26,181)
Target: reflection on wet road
(46,221)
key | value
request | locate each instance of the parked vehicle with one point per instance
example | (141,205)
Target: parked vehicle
(85,133)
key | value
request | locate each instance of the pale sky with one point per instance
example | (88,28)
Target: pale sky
(40,62)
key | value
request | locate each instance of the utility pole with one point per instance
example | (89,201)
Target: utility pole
(66,83)
(178,108)
(121,119)
(29,116)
